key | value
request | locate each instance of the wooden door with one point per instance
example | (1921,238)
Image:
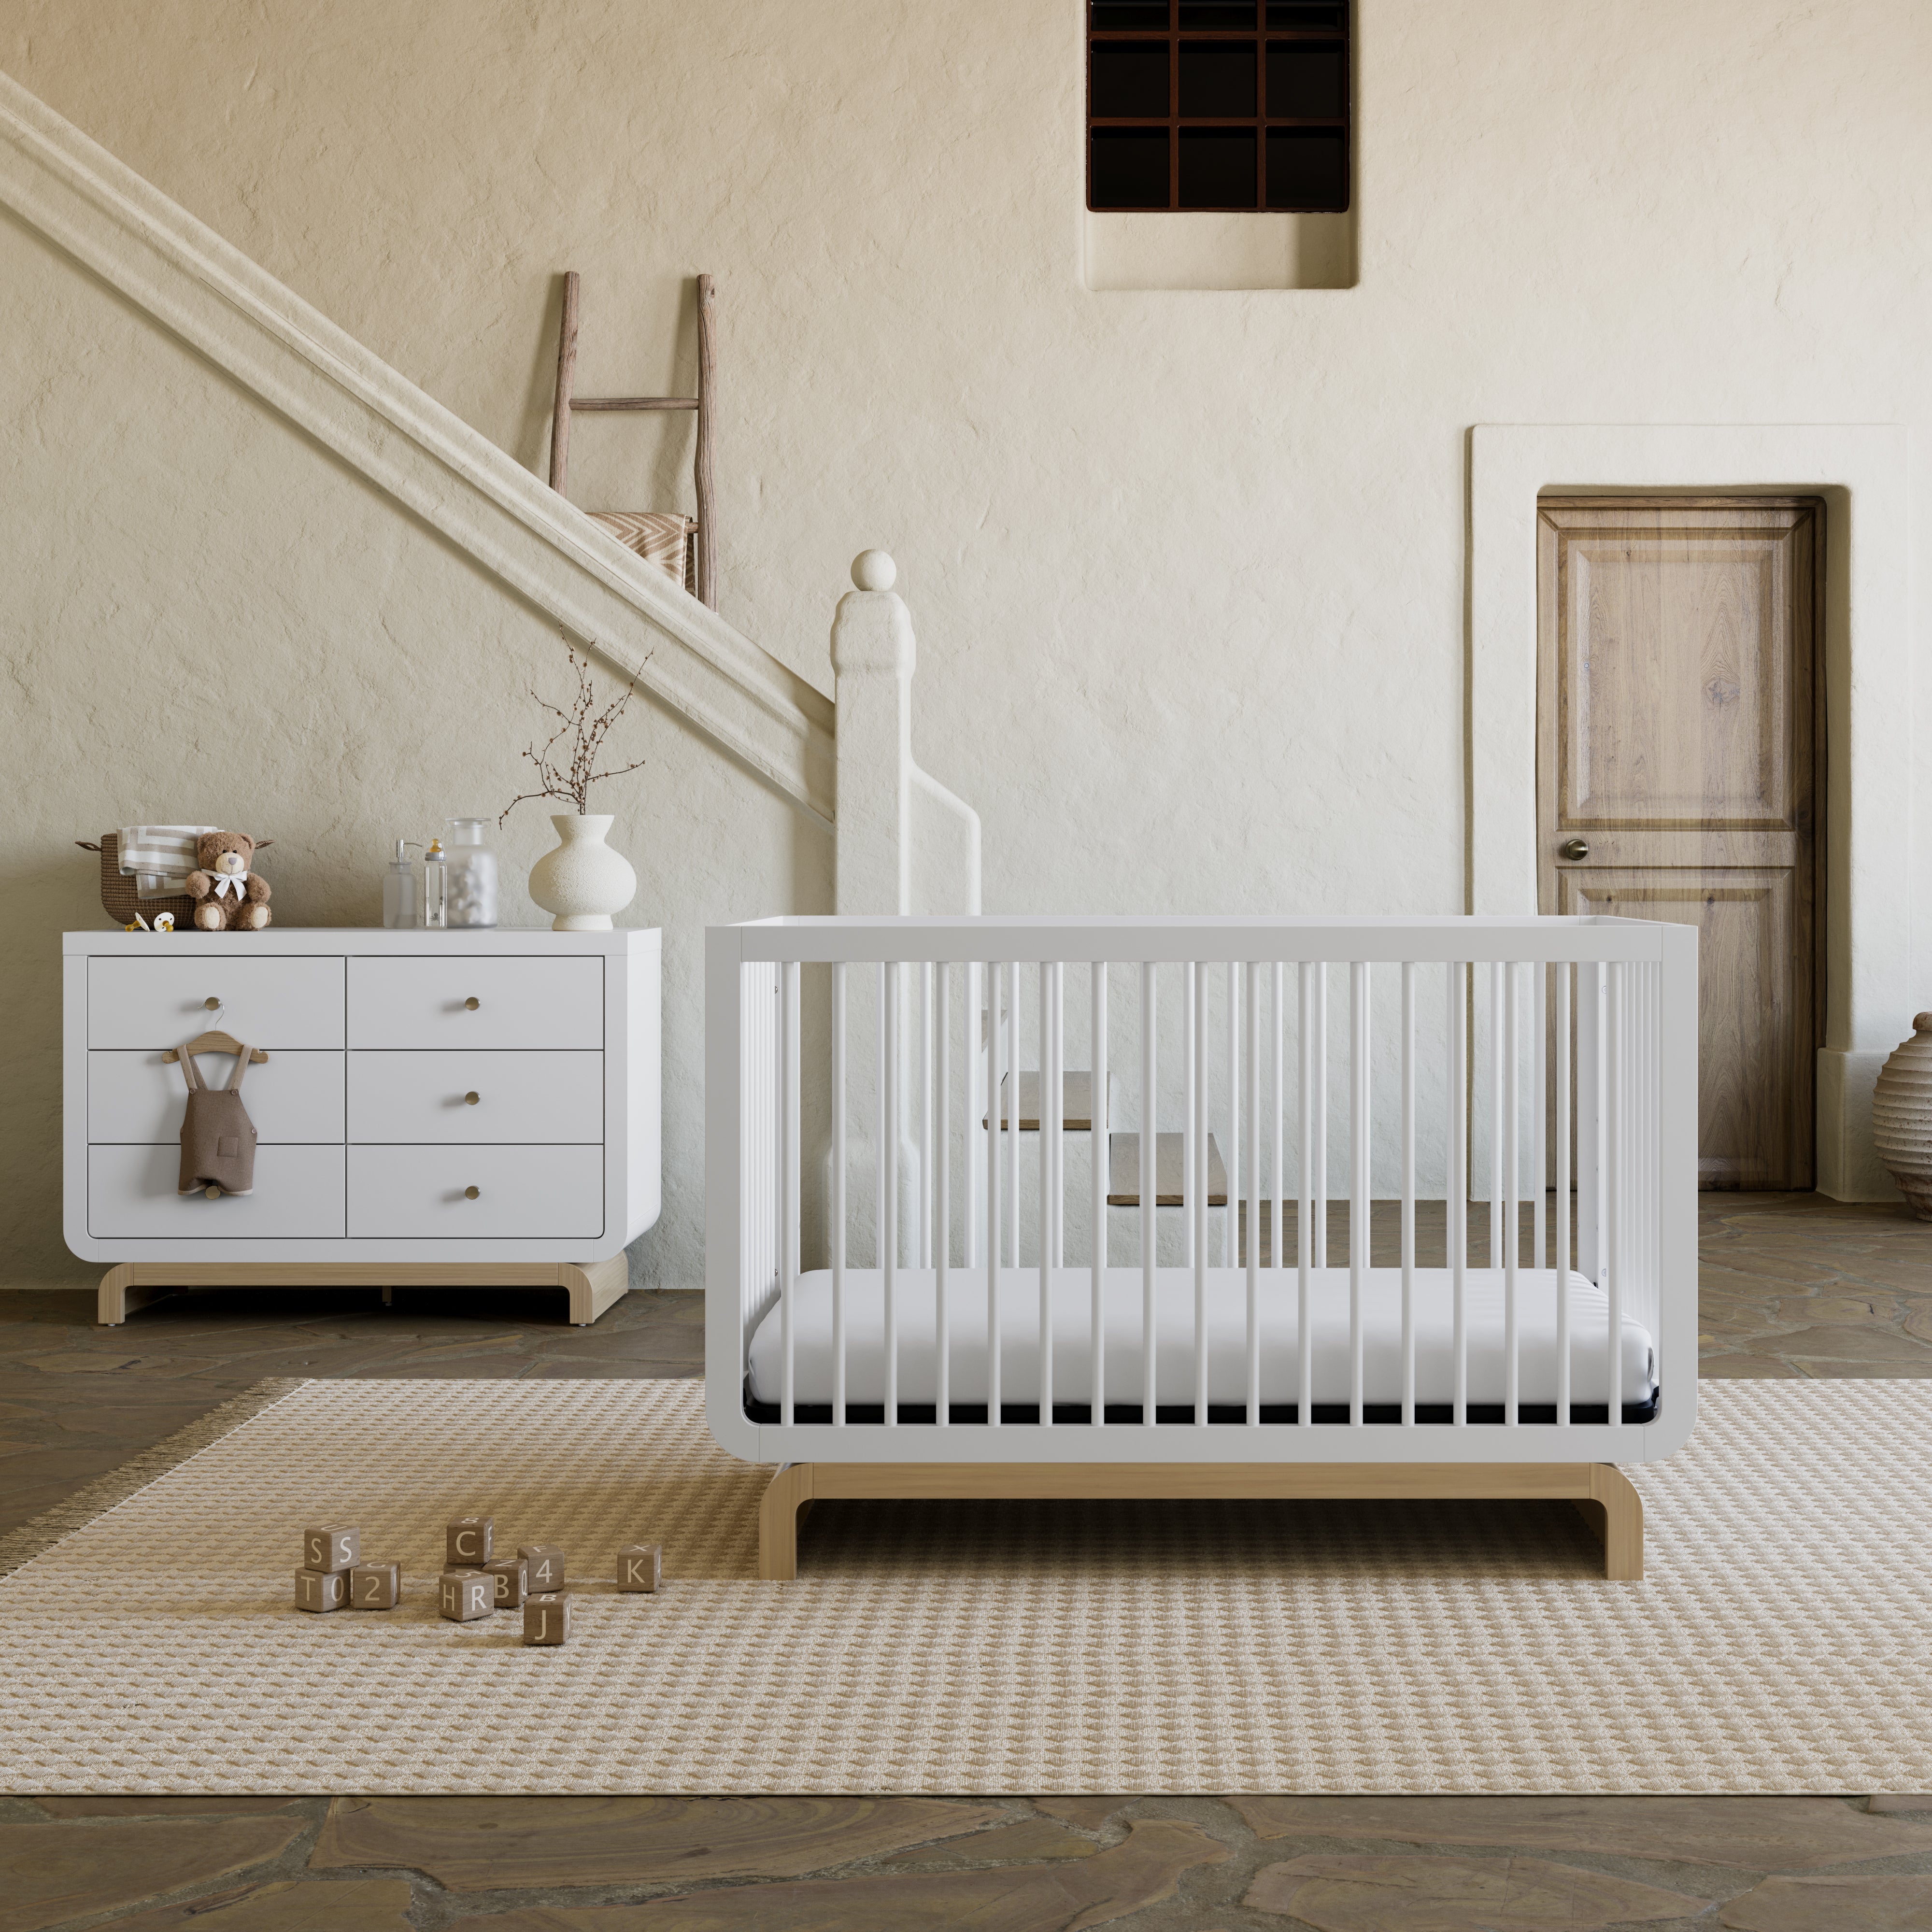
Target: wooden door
(1679,739)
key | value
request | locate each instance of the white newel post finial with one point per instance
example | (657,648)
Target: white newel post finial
(873,656)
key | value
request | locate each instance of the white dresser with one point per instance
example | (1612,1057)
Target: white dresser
(454,1107)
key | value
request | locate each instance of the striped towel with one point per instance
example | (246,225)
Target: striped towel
(160,856)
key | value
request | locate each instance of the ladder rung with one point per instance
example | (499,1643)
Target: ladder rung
(634,402)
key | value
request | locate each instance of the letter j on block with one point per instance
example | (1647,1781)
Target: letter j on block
(547,1619)
(467,1541)
(337,1549)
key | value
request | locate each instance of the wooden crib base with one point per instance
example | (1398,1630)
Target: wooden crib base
(1601,1492)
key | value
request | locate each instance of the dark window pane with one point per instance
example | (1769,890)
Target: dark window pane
(1217,77)
(1310,16)
(1202,14)
(1129,168)
(1217,167)
(1305,83)
(1129,77)
(1306,171)
(1114,16)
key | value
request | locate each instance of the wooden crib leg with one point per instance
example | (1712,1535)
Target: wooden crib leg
(785,1503)
(1615,1513)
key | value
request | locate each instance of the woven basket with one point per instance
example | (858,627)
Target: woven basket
(118,895)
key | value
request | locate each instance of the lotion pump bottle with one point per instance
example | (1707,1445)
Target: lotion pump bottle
(435,881)
(402,892)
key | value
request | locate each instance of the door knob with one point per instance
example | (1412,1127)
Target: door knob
(213,1005)
(470,1100)
(1573,848)
(472,1003)
(471,1193)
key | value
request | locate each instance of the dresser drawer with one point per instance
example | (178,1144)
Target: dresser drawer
(471,1097)
(298,1196)
(283,1001)
(468,1002)
(139,1096)
(523,1193)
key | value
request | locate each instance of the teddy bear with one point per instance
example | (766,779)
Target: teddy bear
(227,894)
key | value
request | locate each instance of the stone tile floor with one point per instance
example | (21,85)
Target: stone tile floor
(1790,1286)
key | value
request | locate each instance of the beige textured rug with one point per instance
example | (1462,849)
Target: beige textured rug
(1782,1641)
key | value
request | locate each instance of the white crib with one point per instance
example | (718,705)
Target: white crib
(905,1299)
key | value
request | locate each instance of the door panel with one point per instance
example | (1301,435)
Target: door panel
(1678,741)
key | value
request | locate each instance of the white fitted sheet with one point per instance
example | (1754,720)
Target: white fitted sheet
(913,1297)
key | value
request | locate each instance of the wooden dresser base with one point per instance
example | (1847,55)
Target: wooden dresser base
(593,1286)
(1600,1491)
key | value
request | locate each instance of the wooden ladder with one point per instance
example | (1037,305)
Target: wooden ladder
(705,575)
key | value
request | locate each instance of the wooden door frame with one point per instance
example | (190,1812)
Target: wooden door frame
(1860,471)
(1547,761)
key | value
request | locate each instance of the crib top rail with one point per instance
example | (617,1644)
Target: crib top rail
(1375,938)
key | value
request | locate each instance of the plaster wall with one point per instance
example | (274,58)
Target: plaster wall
(1187,567)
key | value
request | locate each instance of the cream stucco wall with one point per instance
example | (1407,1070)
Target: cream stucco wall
(1188,569)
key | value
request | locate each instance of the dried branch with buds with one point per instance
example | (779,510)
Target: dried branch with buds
(586,727)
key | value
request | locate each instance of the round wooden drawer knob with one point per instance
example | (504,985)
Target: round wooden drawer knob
(472,1193)
(470,1100)
(213,1005)
(472,1003)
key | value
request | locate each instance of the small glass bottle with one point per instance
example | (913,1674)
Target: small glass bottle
(402,891)
(471,898)
(435,894)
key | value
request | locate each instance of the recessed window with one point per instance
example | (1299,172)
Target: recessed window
(1222,104)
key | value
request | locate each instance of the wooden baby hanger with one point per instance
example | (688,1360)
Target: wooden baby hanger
(214,1042)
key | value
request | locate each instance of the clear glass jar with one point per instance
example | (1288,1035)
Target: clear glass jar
(471,889)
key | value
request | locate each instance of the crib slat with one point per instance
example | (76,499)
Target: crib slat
(1319,1049)
(1560,1205)
(1059,1114)
(884,1078)
(1149,1123)
(1495,1112)
(1539,1105)
(1615,1179)
(1013,1057)
(1358,1175)
(995,1233)
(1512,1152)
(972,1220)
(1278,1028)
(925,1113)
(1191,1076)
(1253,1010)
(1409,1194)
(1197,1192)
(891,981)
(788,1168)
(1459,1184)
(1100,1129)
(1230,1248)
(942,1194)
(1050,1107)
(1304,1212)
(840,1131)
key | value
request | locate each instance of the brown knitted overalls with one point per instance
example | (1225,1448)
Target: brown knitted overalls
(217,1137)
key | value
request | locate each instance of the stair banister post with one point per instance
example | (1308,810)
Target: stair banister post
(873,656)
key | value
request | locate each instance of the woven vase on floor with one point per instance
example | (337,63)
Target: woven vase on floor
(1902,1117)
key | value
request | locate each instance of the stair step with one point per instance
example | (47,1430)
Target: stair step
(1077,1099)
(1123,1171)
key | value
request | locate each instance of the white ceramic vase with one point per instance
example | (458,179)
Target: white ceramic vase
(583,882)
(1902,1117)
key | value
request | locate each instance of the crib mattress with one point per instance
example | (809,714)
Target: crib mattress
(1071,1297)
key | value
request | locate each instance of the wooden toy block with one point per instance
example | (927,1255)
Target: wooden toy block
(546,1619)
(337,1549)
(467,1542)
(546,1562)
(321,1589)
(511,1575)
(375,1586)
(463,1595)
(641,1566)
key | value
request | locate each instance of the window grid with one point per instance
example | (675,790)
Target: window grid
(1321,183)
